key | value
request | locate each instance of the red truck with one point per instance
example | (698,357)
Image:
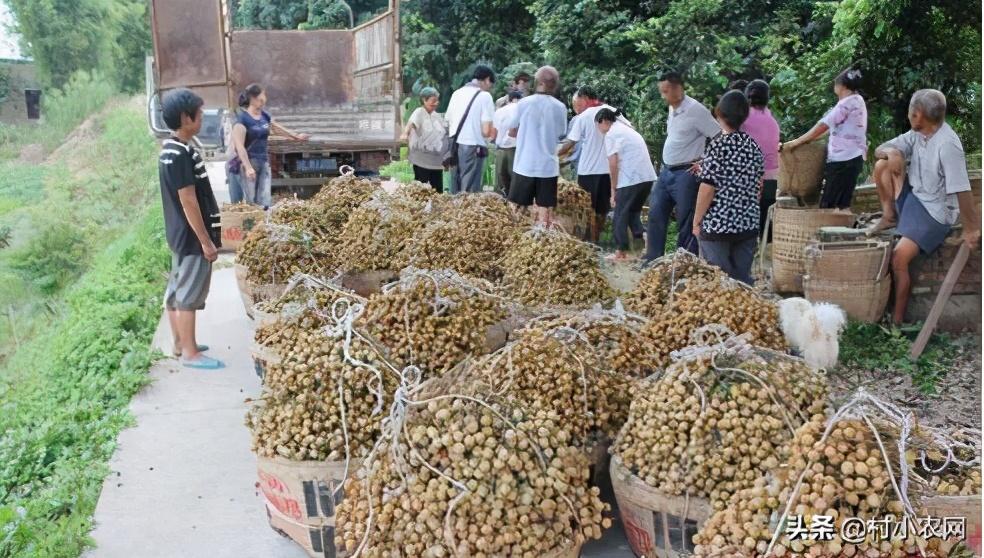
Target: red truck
(340,86)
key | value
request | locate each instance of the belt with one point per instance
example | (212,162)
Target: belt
(677,168)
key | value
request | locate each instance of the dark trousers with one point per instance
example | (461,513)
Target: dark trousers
(628,212)
(734,257)
(768,199)
(434,177)
(839,180)
(675,188)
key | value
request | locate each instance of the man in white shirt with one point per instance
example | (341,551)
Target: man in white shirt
(592,165)
(539,123)
(469,115)
(505,145)
(925,202)
(688,128)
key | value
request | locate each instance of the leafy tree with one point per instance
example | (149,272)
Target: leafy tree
(64,36)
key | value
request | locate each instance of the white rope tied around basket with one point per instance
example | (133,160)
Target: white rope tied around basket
(395,425)
(948,443)
(858,408)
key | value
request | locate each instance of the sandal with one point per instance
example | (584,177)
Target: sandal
(203,363)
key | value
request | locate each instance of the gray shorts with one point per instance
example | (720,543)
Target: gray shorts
(188,282)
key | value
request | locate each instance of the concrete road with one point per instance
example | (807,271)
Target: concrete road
(183,479)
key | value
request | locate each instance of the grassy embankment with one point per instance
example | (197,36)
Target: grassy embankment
(81,283)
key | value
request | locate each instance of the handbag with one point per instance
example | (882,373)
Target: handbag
(235,164)
(451,158)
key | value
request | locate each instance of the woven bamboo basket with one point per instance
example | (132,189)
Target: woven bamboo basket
(847,261)
(862,300)
(801,169)
(792,229)
(656,525)
(252,293)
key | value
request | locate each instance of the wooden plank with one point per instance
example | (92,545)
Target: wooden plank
(934,314)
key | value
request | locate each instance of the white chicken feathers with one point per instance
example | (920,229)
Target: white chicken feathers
(813,330)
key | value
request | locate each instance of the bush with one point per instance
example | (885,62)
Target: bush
(63,397)
(53,258)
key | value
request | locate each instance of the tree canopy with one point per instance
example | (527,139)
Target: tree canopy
(799,46)
(111,37)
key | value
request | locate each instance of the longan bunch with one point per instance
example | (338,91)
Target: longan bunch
(615,339)
(471,236)
(652,292)
(947,475)
(310,218)
(546,266)
(557,371)
(378,233)
(299,416)
(714,423)
(699,303)
(339,197)
(843,476)
(416,191)
(304,296)
(274,254)
(432,319)
(528,493)
(240,207)
(572,199)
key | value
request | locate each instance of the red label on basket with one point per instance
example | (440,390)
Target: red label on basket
(639,538)
(277,493)
(233,233)
(974,540)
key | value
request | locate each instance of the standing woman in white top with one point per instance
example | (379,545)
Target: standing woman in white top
(427,136)
(632,175)
(847,147)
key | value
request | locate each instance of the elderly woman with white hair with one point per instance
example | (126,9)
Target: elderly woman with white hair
(925,202)
(428,138)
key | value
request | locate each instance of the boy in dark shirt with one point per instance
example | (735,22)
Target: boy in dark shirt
(189,212)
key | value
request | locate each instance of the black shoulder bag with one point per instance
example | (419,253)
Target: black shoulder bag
(451,159)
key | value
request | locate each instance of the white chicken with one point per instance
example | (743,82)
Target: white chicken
(813,330)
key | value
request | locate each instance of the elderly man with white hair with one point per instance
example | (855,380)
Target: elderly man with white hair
(924,201)
(538,123)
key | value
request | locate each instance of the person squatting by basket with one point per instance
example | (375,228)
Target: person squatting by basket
(847,147)
(924,202)
(688,127)
(505,144)
(469,116)
(190,210)
(631,172)
(592,164)
(726,217)
(539,123)
(248,170)
(427,138)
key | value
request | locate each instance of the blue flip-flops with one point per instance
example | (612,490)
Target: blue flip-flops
(203,362)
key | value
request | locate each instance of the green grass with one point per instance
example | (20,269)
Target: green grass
(63,396)
(880,347)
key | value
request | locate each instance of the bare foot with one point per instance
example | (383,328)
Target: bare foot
(882,225)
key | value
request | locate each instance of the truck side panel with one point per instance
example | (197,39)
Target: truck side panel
(189,48)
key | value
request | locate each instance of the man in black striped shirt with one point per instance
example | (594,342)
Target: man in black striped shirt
(189,212)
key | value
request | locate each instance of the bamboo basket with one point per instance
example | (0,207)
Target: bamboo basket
(847,261)
(656,525)
(862,300)
(792,229)
(801,169)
